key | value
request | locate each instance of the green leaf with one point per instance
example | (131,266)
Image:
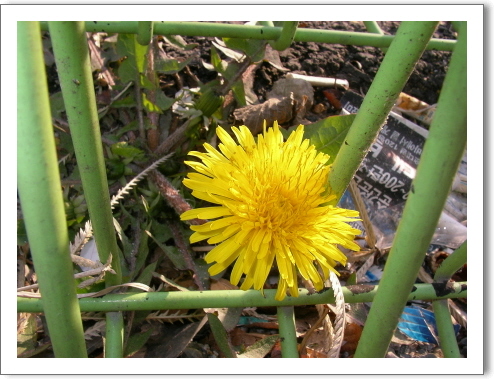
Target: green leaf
(150,106)
(95,287)
(131,68)
(171,66)
(260,348)
(124,150)
(220,336)
(133,125)
(161,232)
(231,70)
(239,93)
(175,256)
(21,232)
(172,252)
(179,42)
(145,276)
(126,102)
(66,142)
(142,253)
(147,84)
(202,271)
(216,61)
(56,104)
(136,341)
(328,134)
(254,49)
(127,246)
(352,279)
(27,337)
(163,101)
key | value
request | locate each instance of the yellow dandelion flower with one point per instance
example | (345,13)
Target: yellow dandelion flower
(271,198)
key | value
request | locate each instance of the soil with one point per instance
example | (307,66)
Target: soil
(357,64)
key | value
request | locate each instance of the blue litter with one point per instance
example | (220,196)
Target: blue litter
(420,325)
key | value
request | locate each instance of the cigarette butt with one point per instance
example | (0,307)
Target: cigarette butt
(321,81)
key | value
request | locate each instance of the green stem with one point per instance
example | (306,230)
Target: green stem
(288,337)
(257,32)
(452,264)
(114,335)
(447,336)
(144,32)
(74,71)
(438,165)
(286,36)
(238,299)
(38,181)
(373,27)
(394,72)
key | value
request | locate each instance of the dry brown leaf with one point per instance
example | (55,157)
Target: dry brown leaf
(287,103)
(97,61)
(253,116)
(272,56)
(222,284)
(248,80)
(302,91)
(313,353)
(241,338)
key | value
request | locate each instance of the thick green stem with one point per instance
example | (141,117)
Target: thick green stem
(74,71)
(396,68)
(257,32)
(286,322)
(114,335)
(440,158)
(239,299)
(41,197)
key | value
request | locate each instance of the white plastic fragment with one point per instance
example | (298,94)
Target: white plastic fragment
(90,252)
(321,81)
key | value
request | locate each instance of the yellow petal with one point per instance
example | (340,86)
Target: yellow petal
(206,213)
(196,237)
(221,252)
(262,272)
(221,266)
(238,268)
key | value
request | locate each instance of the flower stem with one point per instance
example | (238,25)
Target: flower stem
(38,181)
(286,321)
(114,335)
(394,72)
(438,165)
(71,55)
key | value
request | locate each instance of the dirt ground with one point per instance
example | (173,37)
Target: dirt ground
(357,64)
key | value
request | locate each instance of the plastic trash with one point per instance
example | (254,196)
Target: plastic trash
(385,176)
(420,325)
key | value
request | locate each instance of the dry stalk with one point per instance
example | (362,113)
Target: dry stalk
(172,196)
(339,324)
(177,136)
(359,204)
(323,314)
